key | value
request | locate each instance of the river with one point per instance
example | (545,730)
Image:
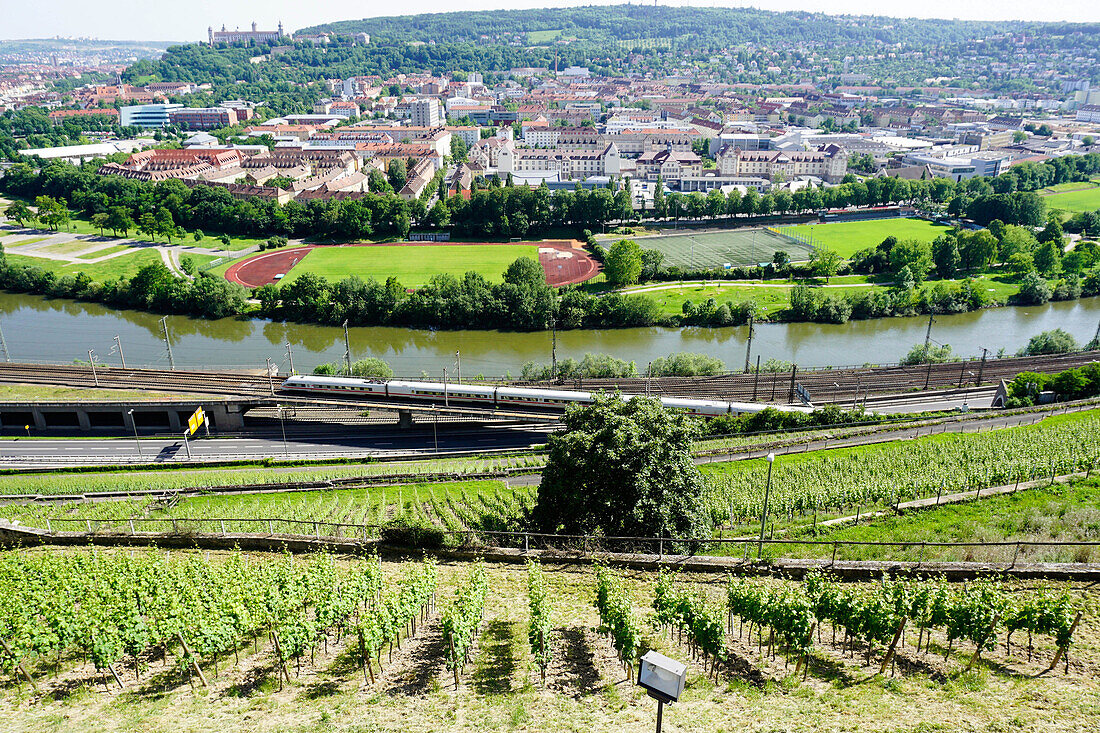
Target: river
(60,331)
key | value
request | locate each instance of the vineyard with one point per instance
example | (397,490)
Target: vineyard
(177,480)
(837,482)
(367,638)
(483,505)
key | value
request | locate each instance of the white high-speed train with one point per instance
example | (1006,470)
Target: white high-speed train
(541,400)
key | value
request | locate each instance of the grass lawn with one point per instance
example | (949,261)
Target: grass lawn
(1085,199)
(412,266)
(1063,512)
(103,252)
(774,295)
(543,36)
(40,392)
(586,688)
(771,298)
(848,237)
(66,248)
(24,242)
(124,265)
(83,225)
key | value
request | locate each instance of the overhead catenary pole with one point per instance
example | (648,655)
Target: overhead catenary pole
(290,357)
(118,345)
(981,367)
(553,347)
(756,379)
(270,380)
(928,356)
(168,343)
(347,349)
(4,345)
(748,348)
(91,360)
(446,400)
(458,365)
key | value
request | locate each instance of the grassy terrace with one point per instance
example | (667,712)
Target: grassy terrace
(1060,512)
(125,265)
(586,689)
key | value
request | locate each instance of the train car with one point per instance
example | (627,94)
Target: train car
(533,400)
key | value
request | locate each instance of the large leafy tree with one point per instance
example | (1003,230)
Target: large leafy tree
(623,263)
(623,468)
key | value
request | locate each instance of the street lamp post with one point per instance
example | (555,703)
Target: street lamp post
(137,441)
(966,392)
(764,514)
(435,427)
(282,427)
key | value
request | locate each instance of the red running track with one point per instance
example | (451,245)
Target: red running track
(563,263)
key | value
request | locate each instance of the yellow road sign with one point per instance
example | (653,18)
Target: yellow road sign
(195,421)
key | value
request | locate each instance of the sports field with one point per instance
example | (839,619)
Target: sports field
(848,237)
(716,248)
(1084,199)
(413,265)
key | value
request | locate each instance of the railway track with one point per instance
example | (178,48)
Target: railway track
(230,384)
(838,385)
(824,385)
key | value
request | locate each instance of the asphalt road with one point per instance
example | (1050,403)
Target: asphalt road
(24,452)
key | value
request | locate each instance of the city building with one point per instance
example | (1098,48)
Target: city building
(426,113)
(829,164)
(237,36)
(203,118)
(147,115)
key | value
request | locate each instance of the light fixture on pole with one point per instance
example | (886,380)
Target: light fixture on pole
(767,495)
(137,441)
(663,679)
(282,427)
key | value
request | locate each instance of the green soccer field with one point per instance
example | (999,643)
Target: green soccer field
(848,237)
(715,249)
(1087,199)
(412,265)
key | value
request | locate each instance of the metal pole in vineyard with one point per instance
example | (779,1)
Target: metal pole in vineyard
(764,514)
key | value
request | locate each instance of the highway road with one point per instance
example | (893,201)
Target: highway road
(61,451)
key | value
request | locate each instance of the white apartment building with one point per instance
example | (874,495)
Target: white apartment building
(829,164)
(425,113)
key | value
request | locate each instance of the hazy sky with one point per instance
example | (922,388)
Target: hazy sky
(187,21)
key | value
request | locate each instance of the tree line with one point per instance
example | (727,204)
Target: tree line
(496,209)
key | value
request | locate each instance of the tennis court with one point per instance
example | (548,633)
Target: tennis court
(716,248)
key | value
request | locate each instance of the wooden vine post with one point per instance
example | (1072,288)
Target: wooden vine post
(21,668)
(194,662)
(1062,649)
(893,646)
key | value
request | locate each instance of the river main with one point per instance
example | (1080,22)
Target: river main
(60,331)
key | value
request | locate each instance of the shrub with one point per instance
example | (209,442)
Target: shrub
(1050,342)
(686,364)
(413,532)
